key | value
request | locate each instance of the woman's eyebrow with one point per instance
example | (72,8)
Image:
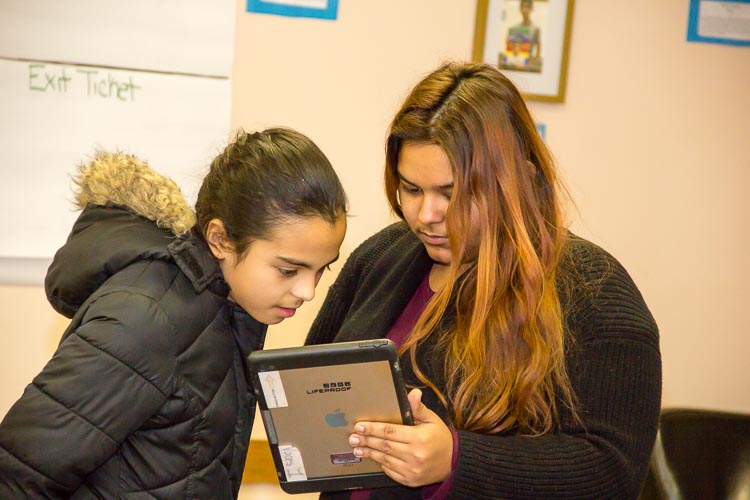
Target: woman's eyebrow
(441,187)
(404,179)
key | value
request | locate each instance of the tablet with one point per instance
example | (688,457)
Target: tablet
(310,398)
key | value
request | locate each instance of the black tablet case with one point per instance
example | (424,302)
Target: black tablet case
(310,398)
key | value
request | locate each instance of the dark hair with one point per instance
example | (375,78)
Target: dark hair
(508,337)
(262,179)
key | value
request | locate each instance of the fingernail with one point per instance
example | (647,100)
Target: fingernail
(354,441)
(359,428)
(358,452)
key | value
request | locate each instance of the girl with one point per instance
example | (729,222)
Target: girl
(147,395)
(535,357)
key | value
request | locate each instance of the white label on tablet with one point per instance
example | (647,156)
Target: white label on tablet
(292,460)
(273,389)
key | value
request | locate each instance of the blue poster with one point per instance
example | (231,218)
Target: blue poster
(542,129)
(719,21)
(318,9)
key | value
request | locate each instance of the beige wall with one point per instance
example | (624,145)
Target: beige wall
(652,139)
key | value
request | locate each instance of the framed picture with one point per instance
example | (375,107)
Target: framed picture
(528,40)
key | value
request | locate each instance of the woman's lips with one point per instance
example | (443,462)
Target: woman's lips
(433,239)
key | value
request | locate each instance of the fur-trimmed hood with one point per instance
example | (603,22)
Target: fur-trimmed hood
(129,214)
(126,181)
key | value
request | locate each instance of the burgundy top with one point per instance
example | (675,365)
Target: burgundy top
(398,333)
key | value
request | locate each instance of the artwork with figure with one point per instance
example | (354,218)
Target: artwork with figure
(528,40)
(521,49)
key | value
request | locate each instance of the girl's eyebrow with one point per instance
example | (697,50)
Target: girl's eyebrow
(294,262)
(299,263)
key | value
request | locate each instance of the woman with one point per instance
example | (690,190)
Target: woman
(535,358)
(147,395)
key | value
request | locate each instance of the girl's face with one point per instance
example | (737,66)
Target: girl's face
(278,274)
(424,190)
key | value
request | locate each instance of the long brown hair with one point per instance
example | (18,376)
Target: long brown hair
(504,353)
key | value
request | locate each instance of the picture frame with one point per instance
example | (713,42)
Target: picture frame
(529,41)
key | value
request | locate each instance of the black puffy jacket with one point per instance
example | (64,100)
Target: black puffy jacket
(146,395)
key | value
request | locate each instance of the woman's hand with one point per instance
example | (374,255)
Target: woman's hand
(411,455)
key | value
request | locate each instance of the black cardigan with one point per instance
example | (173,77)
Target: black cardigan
(612,358)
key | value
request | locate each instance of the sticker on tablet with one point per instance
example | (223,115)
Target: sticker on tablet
(273,389)
(344,458)
(292,460)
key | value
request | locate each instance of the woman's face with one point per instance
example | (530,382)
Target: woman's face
(278,274)
(424,189)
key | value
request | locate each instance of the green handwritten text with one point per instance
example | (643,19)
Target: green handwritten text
(89,82)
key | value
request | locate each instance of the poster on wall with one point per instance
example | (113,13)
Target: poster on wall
(719,21)
(85,75)
(316,9)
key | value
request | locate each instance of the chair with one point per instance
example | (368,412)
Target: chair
(700,454)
